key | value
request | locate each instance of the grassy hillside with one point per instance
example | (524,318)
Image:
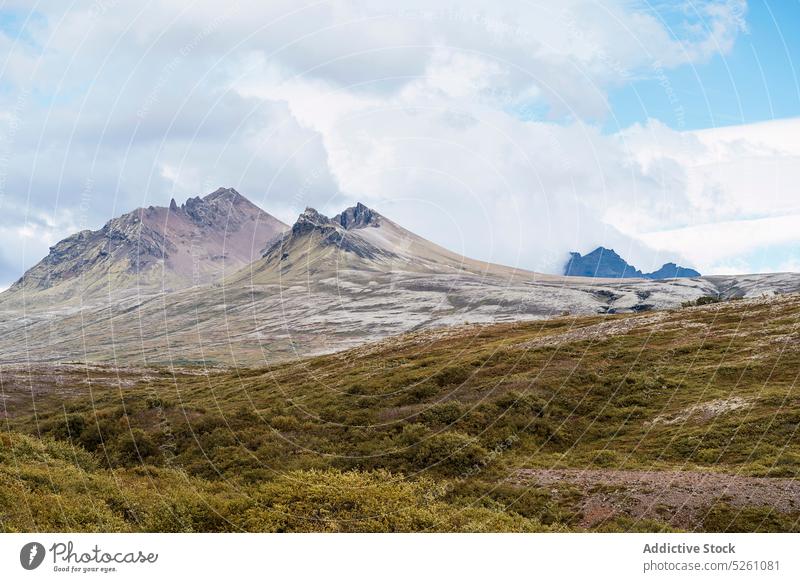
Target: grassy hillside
(684,419)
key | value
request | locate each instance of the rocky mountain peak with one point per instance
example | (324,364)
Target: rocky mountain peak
(197,210)
(178,246)
(310,220)
(606,263)
(225,195)
(358,216)
(313,216)
(329,232)
(223,208)
(601,262)
(673,271)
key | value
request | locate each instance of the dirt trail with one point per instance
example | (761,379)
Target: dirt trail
(678,497)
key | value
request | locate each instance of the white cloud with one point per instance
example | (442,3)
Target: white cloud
(714,246)
(460,171)
(26,238)
(422,109)
(748,170)
(740,187)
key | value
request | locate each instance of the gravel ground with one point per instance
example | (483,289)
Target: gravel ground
(678,497)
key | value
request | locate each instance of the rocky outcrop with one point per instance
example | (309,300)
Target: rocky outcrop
(601,262)
(358,216)
(672,271)
(606,263)
(314,232)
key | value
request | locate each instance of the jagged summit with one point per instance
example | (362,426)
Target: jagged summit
(601,262)
(606,263)
(673,271)
(226,195)
(155,248)
(314,235)
(358,216)
(309,220)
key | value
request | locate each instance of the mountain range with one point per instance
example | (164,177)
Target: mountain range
(217,280)
(603,262)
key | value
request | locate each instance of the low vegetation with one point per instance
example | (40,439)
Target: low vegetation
(704,300)
(424,432)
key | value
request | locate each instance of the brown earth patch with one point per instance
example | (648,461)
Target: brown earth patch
(680,498)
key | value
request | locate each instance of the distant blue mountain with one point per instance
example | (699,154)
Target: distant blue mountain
(606,263)
(672,271)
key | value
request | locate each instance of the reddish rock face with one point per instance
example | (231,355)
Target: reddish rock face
(157,247)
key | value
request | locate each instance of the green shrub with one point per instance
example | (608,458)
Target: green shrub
(419,392)
(69,428)
(704,300)
(605,458)
(282,422)
(442,413)
(452,452)
(723,517)
(134,447)
(379,501)
(452,375)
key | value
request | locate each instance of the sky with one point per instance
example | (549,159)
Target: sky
(513,131)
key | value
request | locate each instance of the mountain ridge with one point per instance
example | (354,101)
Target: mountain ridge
(154,248)
(607,263)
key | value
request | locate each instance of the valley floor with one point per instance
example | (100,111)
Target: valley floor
(684,419)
